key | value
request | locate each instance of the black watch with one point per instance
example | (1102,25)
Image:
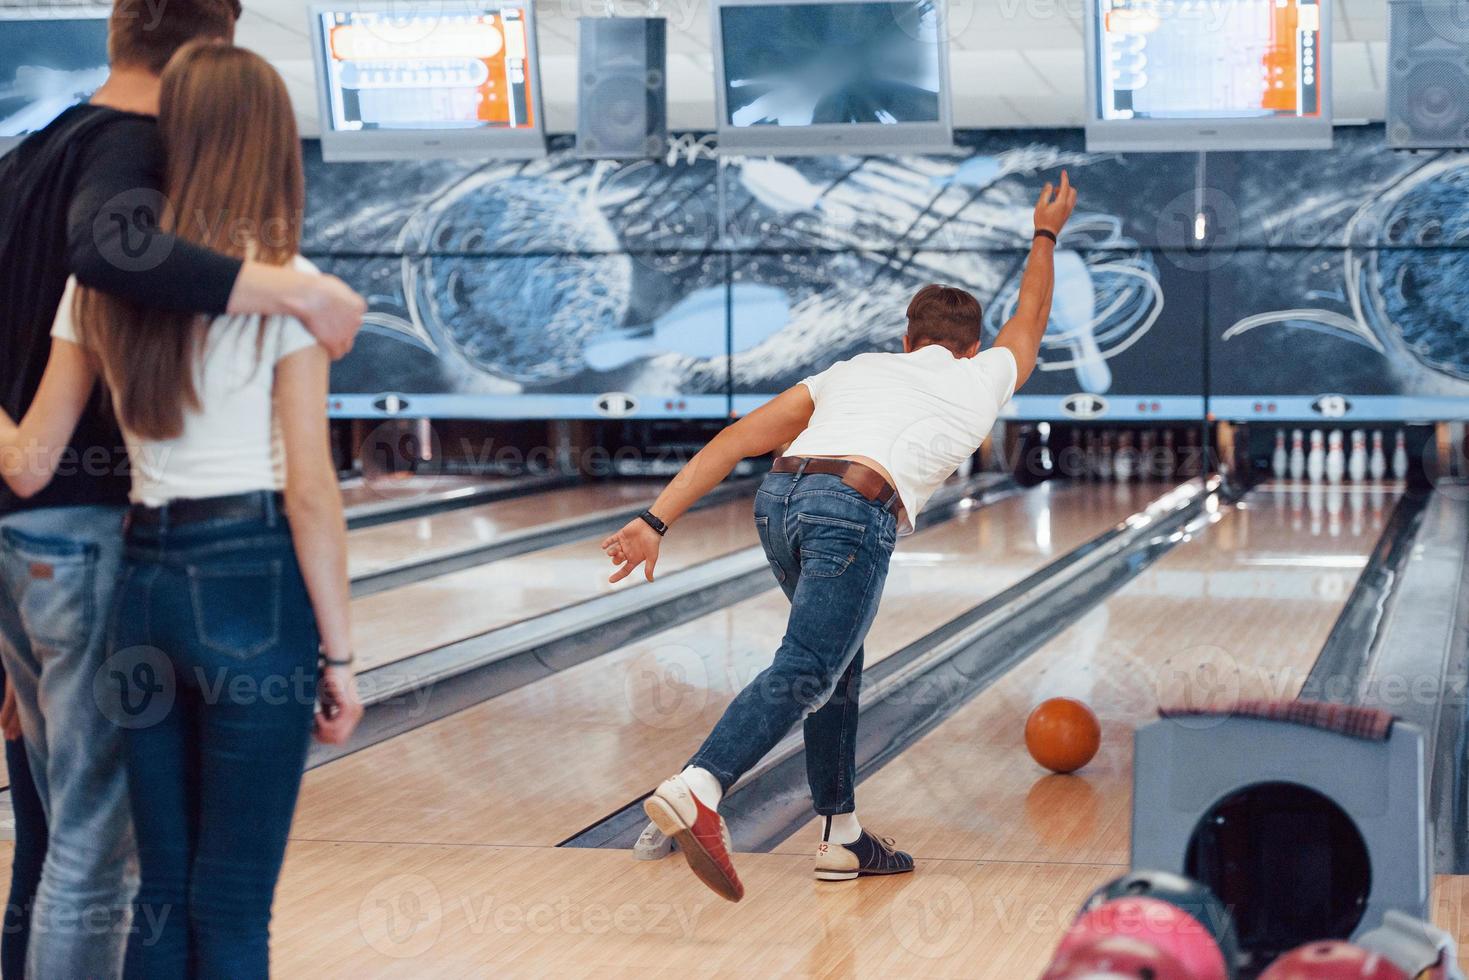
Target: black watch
(651,519)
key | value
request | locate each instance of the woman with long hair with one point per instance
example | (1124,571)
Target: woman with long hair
(230,636)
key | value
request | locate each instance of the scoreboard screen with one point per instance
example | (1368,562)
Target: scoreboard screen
(1208,74)
(448,80)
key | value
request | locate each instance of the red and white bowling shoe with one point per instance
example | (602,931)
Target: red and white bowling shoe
(700,834)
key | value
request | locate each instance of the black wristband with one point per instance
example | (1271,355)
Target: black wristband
(1046,233)
(650,519)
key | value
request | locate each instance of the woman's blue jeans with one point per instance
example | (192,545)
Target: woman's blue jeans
(216,646)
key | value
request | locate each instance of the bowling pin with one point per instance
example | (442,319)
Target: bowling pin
(1316,458)
(1400,457)
(1297,454)
(1104,458)
(1124,464)
(1333,511)
(1377,461)
(1336,460)
(1280,462)
(1357,462)
(1168,464)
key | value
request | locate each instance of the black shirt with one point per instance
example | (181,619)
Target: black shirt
(80,198)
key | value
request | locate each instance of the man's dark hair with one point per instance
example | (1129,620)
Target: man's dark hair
(143,35)
(944,315)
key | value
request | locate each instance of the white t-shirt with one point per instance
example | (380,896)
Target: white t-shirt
(917,415)
(232,443)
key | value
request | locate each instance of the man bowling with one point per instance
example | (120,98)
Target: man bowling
(871,439)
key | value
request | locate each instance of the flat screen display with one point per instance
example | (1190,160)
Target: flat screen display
(805,76)
(1223,74)
(47,64)
(460,77)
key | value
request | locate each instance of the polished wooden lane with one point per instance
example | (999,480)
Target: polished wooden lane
(372,549)
(391,625)
(427,912)
(358,492)
(538,764)
(1242,609)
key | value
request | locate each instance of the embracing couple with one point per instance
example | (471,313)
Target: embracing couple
(170,641)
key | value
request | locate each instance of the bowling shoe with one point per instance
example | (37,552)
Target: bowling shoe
(700,834)
(867,855)
(653,844)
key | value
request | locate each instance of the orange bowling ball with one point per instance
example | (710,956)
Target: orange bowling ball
(1062,734)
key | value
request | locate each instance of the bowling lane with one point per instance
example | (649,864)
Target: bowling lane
(1241,610)
(360,492)
(373,549)
(400,622)
(540,763)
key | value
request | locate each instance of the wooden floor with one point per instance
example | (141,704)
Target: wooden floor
(449,876)
(372,549)
(428,856)
(400,622)
(359,492)
(583,743)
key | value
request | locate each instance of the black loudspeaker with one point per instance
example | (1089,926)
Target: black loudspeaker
(622,109)
(1428,74)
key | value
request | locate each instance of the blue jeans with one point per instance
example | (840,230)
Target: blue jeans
(216,657)
(829,548)
(58,572)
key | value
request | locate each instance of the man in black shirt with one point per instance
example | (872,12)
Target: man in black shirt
(81,198)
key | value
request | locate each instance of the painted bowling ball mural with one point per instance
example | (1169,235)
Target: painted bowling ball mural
(1412,285)
(523,317)
(1373,307)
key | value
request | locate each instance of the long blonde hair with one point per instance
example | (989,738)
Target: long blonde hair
(233,183)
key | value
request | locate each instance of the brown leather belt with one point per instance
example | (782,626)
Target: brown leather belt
(864,479)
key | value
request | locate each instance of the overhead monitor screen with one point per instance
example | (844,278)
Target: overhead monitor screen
(47,64)
(430,71)
(814,77)
(1235,73)
(407,79)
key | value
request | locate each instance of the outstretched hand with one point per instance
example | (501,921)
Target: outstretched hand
(1055,206)
(632,546)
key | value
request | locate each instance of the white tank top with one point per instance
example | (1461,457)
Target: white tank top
(232,443)
(917,415)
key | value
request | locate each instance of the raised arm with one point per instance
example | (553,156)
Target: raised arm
(113,246)
(764,430)
(1022,332)
(31,451)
